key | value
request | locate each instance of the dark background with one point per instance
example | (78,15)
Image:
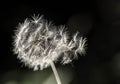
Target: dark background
(98,20)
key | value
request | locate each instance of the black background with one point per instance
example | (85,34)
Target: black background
(13,13)
(103,36)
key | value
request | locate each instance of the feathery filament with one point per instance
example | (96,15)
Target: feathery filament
(37,42)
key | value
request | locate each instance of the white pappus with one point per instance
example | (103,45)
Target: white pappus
(37,42)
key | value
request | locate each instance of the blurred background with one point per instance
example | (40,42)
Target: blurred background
(97,20)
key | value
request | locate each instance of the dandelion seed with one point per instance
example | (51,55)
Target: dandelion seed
(38,42)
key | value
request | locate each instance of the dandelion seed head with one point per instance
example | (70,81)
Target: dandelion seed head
(37,42)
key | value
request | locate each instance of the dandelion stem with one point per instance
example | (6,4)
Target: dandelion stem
(55,72)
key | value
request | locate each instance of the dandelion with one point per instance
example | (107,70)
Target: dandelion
(40,44)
